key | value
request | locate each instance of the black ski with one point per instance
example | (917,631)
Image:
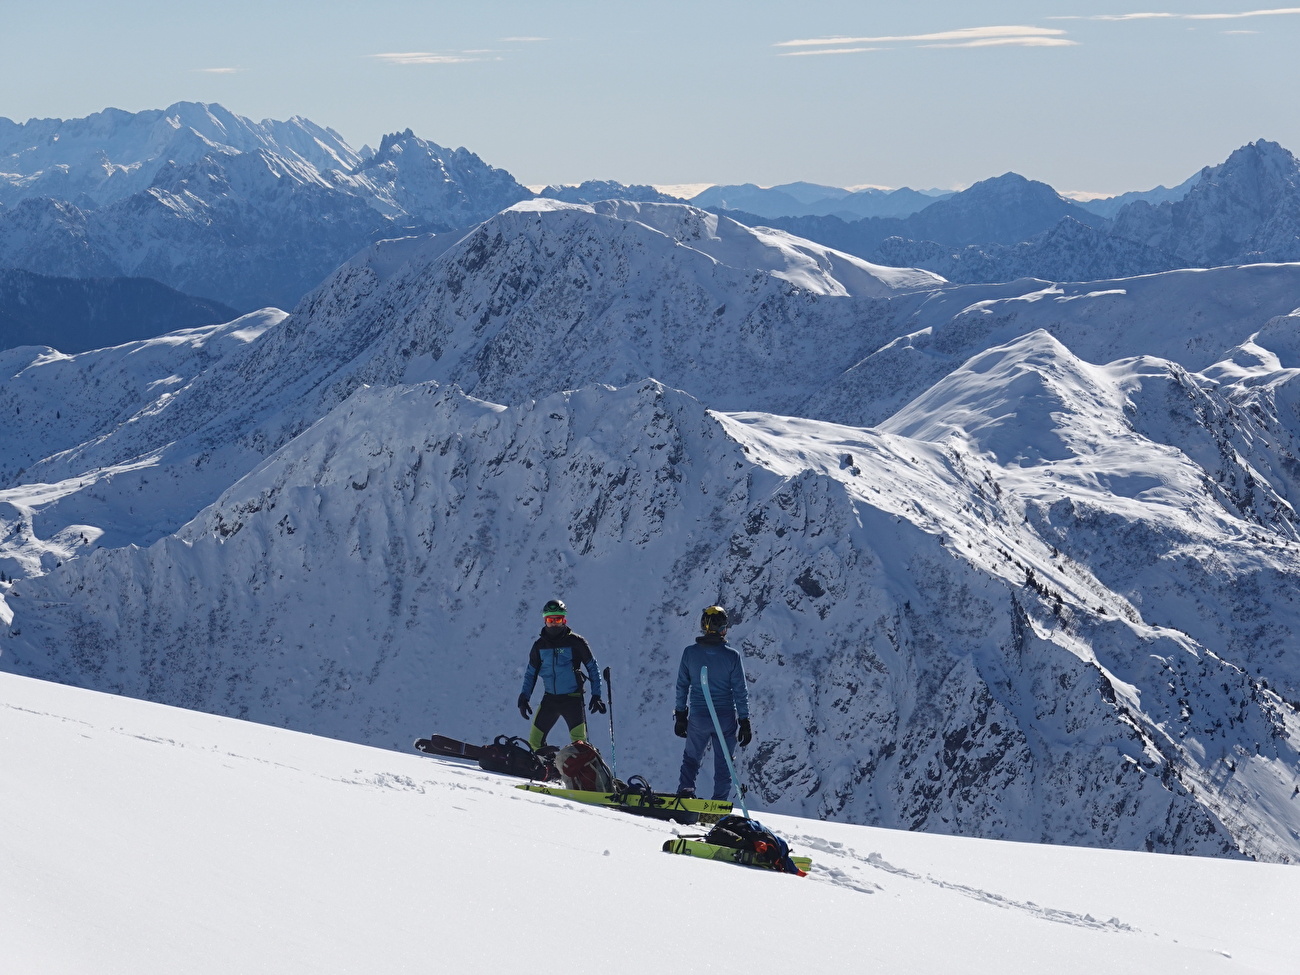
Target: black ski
(506,755)
(442,745)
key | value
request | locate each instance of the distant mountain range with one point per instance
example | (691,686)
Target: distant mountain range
(816,200)
(215,205)
(811,200)
(594,191)
(1245,210)
(252,214)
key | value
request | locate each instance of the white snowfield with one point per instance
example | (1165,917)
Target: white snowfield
(140,839)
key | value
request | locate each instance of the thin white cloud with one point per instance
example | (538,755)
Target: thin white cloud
(1148,16)
(1013,41)
(219,70)
(1273,12)
(1276,12)
(1016,35)
(830,50)
(429,57)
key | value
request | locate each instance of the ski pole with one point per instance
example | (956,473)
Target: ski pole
(722,742)
(609,693)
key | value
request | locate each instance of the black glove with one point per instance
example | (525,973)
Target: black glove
(679,724)
(598,705)
(524,707)
(744,736)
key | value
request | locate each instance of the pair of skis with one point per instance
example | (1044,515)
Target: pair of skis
(698,847)
(635,796)
(730,854)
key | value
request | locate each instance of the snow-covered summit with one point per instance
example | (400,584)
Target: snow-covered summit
(804,264)
(113,154)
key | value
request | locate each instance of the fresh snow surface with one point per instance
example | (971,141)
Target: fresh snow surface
(144,839)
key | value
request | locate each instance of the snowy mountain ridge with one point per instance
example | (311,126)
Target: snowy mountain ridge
(1019,567)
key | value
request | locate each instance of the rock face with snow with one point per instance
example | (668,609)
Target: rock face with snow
(1245,210)
(441,188)
(112,155)
(1006,561)
(1070,251)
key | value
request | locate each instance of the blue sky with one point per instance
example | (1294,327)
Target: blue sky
(1089,97)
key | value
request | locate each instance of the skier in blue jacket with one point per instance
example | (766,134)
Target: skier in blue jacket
(730,699)
(555,657)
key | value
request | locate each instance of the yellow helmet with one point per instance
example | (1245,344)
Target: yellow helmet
(714,620)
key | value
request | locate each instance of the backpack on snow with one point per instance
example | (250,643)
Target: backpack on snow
(761,846)
(581,767)
(513,756)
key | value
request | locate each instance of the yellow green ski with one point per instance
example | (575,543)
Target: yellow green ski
(730,854)
(687,810)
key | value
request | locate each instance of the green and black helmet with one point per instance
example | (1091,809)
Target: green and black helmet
(554,614)
(714,620)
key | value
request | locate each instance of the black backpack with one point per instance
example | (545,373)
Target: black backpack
(761,846)
(513,756)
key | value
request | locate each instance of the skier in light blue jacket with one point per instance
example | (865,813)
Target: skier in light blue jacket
(555,657)
(730,699)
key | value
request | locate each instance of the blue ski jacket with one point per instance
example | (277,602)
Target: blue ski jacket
(726,678)
(556,659)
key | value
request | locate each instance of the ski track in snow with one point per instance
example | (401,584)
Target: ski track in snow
(844,874)
(875,861)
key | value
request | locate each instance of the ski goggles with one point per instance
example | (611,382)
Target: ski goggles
(556,620)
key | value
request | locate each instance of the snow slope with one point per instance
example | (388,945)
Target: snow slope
(144,839)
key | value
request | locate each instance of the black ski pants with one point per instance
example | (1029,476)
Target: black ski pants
(550,710)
